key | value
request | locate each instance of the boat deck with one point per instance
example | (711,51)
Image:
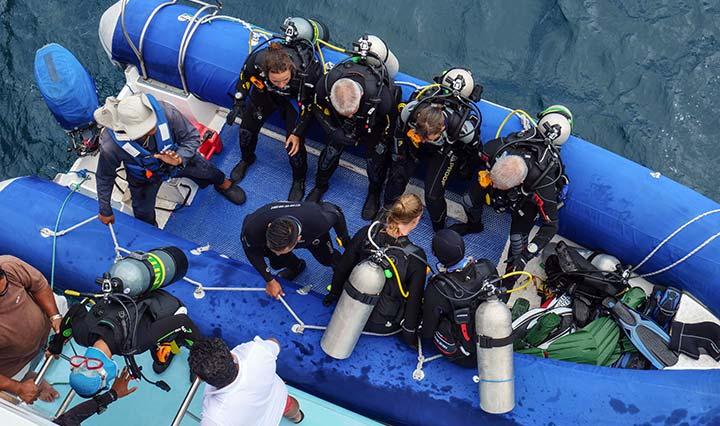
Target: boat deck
(212,220)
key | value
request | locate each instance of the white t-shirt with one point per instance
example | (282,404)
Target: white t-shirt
(256,397)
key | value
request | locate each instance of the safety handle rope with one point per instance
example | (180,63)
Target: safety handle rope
(671,236)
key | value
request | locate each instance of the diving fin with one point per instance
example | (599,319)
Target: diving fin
(651,340)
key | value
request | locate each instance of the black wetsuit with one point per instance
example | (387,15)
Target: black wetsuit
(542,192)
(106,320)
(316,220)
(262,99)
(450,156)
(373,125)
(393,311)
(450,324)
(81,412)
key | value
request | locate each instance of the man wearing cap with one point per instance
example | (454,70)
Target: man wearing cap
(155,142)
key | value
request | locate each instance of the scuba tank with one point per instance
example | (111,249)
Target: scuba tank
(70,94)
(375,51)
(358,299)
(139,272)
(493,324)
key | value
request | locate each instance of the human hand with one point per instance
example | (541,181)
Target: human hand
(292,145)
(120,386)
(27,390)
(274,289)
(106,220)
(55,324)
(169,157)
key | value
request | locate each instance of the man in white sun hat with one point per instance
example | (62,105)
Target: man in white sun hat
(155,143)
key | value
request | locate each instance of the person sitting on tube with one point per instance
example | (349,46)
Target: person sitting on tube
(242,385)
(399,307)
(154,142)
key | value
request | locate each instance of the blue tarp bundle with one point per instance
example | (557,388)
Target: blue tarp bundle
(66,86)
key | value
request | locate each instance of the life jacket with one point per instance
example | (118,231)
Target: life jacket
(390,309)
(374,80)
(144,166)
(542,156)
(455,335)
(110,314)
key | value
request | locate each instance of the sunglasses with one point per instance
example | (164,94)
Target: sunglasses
(78,361)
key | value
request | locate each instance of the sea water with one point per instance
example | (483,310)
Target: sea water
(642,77)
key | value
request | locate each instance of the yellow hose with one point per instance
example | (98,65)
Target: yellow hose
(522,287)
(425,89)
(507,117)
(404,293)
(332,46)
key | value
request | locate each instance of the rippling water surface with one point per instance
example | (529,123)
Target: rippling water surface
(642,77)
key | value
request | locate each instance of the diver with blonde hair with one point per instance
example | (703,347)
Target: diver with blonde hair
(399,307)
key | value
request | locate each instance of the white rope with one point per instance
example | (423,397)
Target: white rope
(233,289)
(671,236)
(289,309)
(407,83)
(46,232)
(682,259)
(419,374)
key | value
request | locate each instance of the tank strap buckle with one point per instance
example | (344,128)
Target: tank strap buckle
(491,342)
(361,297)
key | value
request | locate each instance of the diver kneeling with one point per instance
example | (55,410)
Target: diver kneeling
(397,308)
(127,319)
(452,296)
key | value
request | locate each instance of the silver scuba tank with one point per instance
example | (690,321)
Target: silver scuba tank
(359,296)
(140,272)
(493,321)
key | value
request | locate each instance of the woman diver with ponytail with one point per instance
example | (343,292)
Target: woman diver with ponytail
(399,307)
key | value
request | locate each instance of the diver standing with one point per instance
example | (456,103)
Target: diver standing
(276,229)
(399,307)
(355,103)
(525,176)
(452,296)
(440,126)
(271,78)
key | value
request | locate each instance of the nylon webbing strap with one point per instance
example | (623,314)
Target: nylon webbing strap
(360,296)
(491,342)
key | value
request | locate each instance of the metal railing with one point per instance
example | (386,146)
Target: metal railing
(186,403)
